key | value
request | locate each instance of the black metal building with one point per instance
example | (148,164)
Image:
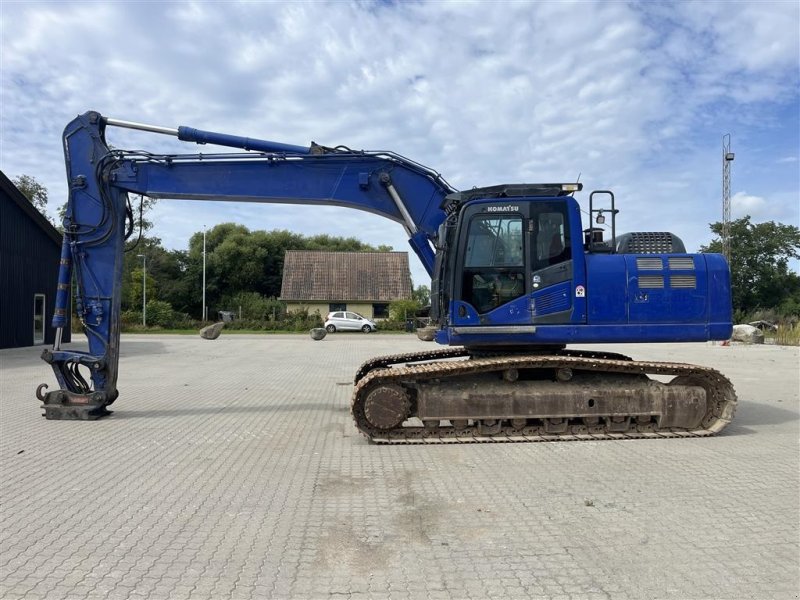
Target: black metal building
(30,249)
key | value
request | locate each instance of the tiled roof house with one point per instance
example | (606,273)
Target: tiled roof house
(362,282)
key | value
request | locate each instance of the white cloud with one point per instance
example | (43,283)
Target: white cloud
(781,207)
(635,97)
(743,204)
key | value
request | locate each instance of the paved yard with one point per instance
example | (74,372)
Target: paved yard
(231,469)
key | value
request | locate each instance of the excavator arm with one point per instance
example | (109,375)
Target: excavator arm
(98,219)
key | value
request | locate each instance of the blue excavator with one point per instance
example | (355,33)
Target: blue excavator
(515,279)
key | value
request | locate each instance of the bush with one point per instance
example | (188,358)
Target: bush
(790,309)
(254,306)
(130,319)
(769,315)
(400,310)
(392,325)
(160,315)
(295,321)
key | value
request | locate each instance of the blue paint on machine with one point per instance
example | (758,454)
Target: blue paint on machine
(512,266)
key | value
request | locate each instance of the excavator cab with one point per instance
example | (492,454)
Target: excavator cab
(508,261)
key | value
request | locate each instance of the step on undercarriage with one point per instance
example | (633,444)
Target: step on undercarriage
(453,395)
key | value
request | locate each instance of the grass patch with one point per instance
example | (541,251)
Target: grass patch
(786,335)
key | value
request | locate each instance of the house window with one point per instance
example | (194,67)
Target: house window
(38,318)
(334,306)
(380,311)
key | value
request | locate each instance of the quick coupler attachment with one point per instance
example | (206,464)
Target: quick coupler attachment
(61,405)
(78,399)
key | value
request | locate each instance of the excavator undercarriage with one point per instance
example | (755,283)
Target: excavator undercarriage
(454,395)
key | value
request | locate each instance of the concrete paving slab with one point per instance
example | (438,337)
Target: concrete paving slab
(231,469)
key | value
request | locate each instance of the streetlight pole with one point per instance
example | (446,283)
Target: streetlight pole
(203,317)
(144,289)
(727,159)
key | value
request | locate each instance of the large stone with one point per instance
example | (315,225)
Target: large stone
(318,333)
(426,334)
(747,334)
(211,332)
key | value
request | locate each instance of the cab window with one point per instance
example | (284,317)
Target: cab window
(494,262)
(495,242)
(552,244)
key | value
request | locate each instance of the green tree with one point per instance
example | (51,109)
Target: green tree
(33,191)
(760,255)
(242,261)
(166,268)
(135,288)
(169,267)
(422,295)
(141,206)
(337,244)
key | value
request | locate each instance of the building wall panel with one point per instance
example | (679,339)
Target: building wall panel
(29,259)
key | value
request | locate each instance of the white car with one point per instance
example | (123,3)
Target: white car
(344,320)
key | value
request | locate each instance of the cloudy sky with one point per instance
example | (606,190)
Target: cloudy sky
(634,97)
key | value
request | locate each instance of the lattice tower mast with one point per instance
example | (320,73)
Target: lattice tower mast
(727,159)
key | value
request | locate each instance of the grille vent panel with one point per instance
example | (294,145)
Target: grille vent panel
(649,242)
(649,264)
(683,281)
(681,262)
(552,302)
(655,282)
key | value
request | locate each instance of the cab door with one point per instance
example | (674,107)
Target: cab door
(515,265)
(551,263)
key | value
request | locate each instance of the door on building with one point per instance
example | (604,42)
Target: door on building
(38,319)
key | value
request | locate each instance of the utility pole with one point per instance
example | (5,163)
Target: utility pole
(144,289)
(727,159)
(203,317)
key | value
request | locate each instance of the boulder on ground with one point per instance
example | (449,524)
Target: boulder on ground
(764,325)
(426,334)
(211,332)
(747,334)
(318,333)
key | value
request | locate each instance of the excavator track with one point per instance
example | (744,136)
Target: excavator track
(564,396)
(382,362)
